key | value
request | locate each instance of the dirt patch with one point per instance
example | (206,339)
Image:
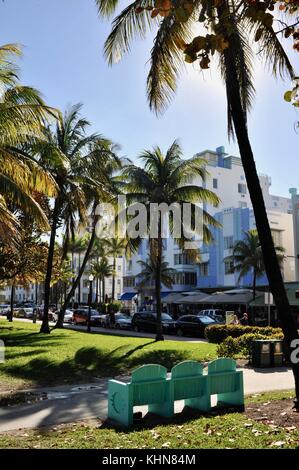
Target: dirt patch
(276,413)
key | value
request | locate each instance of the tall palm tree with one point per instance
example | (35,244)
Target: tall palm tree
(22,113)
(231,25)
(101,270)
(116,247)
(166,179)
(101,165)
(61,153)
(147,275)
(247,257)
(77,246)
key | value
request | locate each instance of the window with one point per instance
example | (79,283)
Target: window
(228,267)
(242,204)
(277,237)
(204,269)
(185,279)
(129,265)
(118,282)
(129,281)
(228,242)
(182,258)
(215,183)
(242,188)
(118,268)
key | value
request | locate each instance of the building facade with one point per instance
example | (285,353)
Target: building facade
(227,179)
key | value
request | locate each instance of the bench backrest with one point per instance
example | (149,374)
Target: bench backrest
(188,380)
(149,384)
(222,376)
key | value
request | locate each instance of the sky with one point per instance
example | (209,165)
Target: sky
(63,57)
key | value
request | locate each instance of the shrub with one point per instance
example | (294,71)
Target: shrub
(242,345)
(228,347)
(218,333)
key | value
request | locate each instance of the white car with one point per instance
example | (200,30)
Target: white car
(4,308)
(68,316)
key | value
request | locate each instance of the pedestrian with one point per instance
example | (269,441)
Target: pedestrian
(244,319)
(236,320)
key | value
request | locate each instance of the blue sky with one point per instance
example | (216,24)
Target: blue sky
(63,43)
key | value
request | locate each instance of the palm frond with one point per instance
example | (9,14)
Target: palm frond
(125,28)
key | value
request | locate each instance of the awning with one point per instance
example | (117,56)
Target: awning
(260,300)
(235,296)
(128,295)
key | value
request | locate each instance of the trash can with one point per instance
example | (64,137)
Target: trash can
(276,352)
(261,353)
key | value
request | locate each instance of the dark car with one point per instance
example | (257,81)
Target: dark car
(147,321)
(193,325)
(80,317)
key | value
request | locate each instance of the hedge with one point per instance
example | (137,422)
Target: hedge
(242,345)
(218,333)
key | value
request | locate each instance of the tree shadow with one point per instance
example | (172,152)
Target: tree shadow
(187,415)
(167,358)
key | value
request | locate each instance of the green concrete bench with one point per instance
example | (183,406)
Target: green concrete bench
(226,382)
(188,383)
(150,386)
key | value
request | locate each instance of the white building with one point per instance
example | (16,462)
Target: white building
(227,179)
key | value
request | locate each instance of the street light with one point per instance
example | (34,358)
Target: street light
(91,278)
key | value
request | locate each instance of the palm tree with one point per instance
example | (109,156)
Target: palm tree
(61,153)
(230,25)
(147,275)
(116,247)
(247,257)
(101,270)
(22,113)
(101,165)
(166,179)
(77,245)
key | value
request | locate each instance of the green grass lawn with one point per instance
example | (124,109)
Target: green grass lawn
(230,430)
(67,356)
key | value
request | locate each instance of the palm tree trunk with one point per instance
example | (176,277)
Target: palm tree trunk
(79,284)
(97,291)
(61,314)
(45,323)
(103,289)
(159,335)
(254,283)
(113,278)
(272,267)
(12,297)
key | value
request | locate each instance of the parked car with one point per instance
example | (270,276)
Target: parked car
(4,308)
(123,322)
(68,316)
(193,325)
(24,312)
(80,317)
(216,314)
(147,321)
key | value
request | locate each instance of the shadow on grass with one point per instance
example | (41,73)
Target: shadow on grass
(167,358)
(187,415)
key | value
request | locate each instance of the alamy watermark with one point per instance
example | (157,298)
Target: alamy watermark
(294,357)
(138,220)
(2,352)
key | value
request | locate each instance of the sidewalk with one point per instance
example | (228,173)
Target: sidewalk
(67,404)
